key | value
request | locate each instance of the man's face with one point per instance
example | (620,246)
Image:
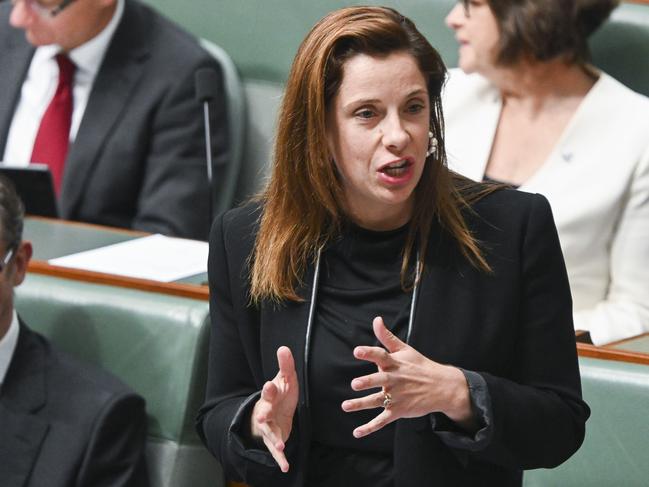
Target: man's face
(12,274)
(75,24)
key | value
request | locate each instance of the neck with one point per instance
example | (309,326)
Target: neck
(381,219)
(539,85)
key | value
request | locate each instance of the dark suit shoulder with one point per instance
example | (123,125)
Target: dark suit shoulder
(508,212)
(162,36)
(70,381)
(239,225)
(90,425)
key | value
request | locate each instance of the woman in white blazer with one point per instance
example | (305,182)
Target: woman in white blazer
(526,108)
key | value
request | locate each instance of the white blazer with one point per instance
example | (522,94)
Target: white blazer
(597,181)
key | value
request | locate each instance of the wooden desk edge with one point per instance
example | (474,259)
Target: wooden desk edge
(193,291)
(90,226)
(592,351)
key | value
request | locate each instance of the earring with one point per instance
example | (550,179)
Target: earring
(432,144)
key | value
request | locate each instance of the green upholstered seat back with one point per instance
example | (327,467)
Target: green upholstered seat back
(617,433)
(155,343)
(621,46)
(263,36)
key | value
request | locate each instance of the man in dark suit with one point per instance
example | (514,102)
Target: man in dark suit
(136,153)
(62,423)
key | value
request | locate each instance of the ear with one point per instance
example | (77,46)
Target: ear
(23,255)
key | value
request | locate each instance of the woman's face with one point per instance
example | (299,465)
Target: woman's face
(476,30)
(377,132)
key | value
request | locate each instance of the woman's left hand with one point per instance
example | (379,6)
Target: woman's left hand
(416,385)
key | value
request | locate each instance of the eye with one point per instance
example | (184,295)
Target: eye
(415,107)
(365,113)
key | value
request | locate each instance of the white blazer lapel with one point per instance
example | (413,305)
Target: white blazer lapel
(471,110)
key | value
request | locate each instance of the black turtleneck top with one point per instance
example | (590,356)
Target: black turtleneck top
(360,278)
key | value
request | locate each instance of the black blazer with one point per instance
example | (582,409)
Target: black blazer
(138,160)
(513,327)
(65,424)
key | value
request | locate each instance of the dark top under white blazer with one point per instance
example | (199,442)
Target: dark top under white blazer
(513,327)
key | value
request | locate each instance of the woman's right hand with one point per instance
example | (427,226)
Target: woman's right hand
(272,416)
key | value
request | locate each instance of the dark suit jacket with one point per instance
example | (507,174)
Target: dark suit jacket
(65,424)
(138,160)
(512,327)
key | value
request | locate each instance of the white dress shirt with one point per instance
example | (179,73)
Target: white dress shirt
(597,181)
(8,347)
(40,85)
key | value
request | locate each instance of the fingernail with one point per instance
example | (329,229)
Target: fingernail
(356,383)
(358,433)
(345,405)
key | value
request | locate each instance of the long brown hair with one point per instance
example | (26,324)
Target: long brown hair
(303,203)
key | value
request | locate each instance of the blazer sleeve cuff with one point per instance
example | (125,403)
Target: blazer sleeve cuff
(250,449)
(455,437)
(240,440)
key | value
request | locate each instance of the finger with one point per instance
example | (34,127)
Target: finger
(286,363)
(372,381)
(371,401)
(271,434)
(377,355)
(269,392)
(386,417)
(386,337)
(275,447)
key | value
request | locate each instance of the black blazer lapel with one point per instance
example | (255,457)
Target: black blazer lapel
(444,269)
(15,54)
(118,76)
(21,436)
(23,394)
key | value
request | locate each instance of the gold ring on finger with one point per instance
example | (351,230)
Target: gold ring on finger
(387,400)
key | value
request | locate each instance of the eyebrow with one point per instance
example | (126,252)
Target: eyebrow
(366,101)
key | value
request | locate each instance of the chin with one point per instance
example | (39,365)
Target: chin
(467,66)
(38,41)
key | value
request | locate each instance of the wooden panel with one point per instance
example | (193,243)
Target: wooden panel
(176,289)
(585,350)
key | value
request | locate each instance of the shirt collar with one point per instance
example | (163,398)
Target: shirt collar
(89,55)
(8,346)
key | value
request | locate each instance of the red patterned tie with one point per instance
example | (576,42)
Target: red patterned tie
(52,139)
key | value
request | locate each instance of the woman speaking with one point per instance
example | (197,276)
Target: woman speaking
(376,319)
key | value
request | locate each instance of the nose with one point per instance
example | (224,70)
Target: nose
(20,14)
(455,17)
(395,136)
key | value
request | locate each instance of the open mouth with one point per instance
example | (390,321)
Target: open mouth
(396,169)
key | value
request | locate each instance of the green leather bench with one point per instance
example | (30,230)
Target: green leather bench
(155,343)
(615,450)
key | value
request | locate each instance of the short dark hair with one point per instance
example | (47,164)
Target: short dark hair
(12,214)
(548,29)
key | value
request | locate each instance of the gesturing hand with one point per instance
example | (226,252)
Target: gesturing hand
(416,384)
(272,416)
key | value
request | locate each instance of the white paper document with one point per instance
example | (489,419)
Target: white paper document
(155,257)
